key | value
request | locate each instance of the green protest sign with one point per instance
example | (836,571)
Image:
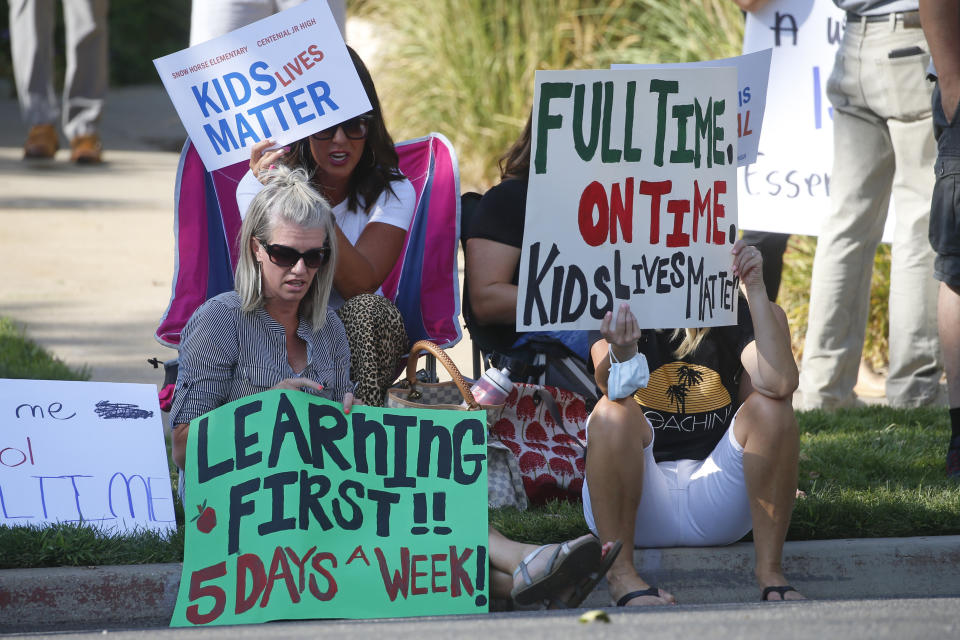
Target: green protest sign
(296,510)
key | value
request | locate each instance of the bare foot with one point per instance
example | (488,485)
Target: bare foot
(645,595)
(561,574)
(780,593)
(775,588)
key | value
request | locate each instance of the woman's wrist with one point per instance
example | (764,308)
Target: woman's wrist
(622,353)
(626,375)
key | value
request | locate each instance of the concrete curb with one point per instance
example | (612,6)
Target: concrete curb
(143,596)
(820,569)
(79,598)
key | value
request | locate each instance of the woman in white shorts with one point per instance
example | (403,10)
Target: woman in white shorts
(694,442)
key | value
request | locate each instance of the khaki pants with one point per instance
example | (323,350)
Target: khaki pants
(85,82)
(883,144)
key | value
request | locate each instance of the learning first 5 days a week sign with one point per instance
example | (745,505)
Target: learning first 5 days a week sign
(83,452)
(631,198)
(296,510)
(283,77)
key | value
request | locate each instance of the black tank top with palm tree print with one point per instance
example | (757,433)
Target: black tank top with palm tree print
(691,402)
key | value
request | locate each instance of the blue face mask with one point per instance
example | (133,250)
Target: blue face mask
(626,377)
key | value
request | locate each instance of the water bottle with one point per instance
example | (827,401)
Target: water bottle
(493,387)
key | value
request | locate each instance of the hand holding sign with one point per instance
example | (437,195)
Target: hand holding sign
(621,332)
(629,199)
(748,266)
(263,157)
(283,77)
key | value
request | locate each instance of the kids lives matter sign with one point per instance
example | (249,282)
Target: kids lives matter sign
(284,77)
(296,510)
(632,197)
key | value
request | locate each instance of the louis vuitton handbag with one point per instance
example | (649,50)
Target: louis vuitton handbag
(505,484)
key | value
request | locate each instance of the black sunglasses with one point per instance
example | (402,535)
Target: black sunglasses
(286,257)
(354,128)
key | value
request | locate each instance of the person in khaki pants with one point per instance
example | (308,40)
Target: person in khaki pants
(883,145)
(85,83)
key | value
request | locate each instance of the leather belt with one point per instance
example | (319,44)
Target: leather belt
(909,19)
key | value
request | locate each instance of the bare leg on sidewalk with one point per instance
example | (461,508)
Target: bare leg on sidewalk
(618,434)
(767,430)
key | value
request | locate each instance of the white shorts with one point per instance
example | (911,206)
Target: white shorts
(690,503)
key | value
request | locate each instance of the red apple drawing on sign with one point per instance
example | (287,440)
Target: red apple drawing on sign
(206,518)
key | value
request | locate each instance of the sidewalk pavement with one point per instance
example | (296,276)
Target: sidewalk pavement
(143,596)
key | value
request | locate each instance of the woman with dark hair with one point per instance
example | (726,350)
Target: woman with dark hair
(355,167)
(492,271)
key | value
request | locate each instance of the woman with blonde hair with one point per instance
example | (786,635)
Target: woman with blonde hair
(275,331)
(694,442)
(355,167)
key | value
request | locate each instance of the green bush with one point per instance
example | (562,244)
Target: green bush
(795,298)
(141,30)
(23,358)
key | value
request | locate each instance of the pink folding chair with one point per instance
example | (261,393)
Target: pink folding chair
(423,284)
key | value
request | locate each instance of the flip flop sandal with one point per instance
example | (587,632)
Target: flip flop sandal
(569,561)
(653,592)
(783,590)
(589,582)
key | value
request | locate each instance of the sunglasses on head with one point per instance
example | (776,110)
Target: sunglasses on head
(284,256)
(354,128)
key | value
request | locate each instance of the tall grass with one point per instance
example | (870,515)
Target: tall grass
(466,68)
(795,298)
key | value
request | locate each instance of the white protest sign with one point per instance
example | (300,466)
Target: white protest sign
(283,77)
(788,189)
(630,198)
(90,452)
(753,69)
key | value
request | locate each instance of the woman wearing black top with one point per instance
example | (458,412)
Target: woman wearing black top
(695,441)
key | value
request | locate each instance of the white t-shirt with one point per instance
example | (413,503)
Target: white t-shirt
(395,209)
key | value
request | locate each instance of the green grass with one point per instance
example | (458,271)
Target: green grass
(867,473)
(22,358)
(477,88)
(75,545)
(875,472)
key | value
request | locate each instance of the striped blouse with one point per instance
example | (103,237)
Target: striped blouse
(226,354)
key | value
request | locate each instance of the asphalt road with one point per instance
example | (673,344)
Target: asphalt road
(875,619)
